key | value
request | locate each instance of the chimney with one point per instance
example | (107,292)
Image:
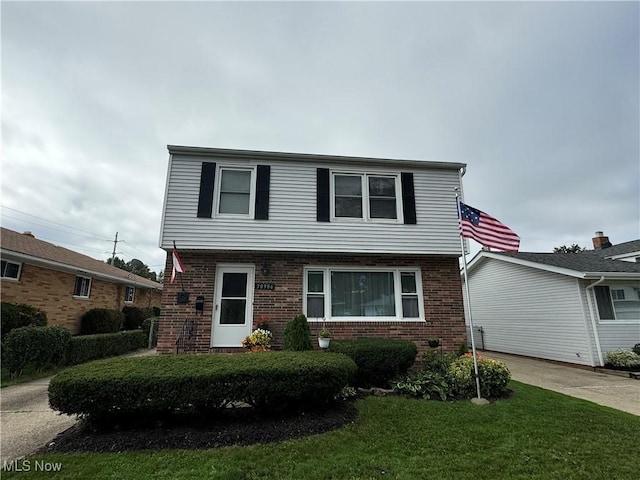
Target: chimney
(29,234)
(600,241)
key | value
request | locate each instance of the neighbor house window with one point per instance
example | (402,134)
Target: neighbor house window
(615,303)
(83,287)
(365,196)
(339,293)
(235,191)
(10,270)
(129,294)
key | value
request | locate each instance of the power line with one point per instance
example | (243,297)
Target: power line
(93,237)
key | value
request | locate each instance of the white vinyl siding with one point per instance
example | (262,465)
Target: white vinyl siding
(292,224)
(530,312)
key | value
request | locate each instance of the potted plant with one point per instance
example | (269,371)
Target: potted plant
(324,337)
(258,341)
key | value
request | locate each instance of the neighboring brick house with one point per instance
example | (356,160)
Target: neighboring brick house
(64,283)
(370,245)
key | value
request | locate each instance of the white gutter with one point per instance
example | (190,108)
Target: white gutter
(596,337)
(74,269)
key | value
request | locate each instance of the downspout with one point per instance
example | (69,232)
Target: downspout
(596,336)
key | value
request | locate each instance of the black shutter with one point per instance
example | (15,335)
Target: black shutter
(322,194)
(262,192)
(205,198)
(408,199)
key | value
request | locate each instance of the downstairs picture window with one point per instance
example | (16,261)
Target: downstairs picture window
(363,294)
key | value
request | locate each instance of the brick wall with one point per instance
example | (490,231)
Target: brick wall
(441,284)
(52,292)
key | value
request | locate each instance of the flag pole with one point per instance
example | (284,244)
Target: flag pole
(466,285)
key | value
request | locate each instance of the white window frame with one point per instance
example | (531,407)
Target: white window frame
(364,182)
(252,191)
(397,287)
(4,271)
(88,287)
(611,321)
(128,289)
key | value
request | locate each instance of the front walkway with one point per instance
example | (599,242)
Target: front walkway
(609,390)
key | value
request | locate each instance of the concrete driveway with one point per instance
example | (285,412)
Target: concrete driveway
(26,421)
(609,390)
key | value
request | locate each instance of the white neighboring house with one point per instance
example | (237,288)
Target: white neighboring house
(568,307)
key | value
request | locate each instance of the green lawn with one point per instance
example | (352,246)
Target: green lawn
(535,434)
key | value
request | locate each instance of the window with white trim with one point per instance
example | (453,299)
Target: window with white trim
(365,293)
(369,197)
(82,287)
(236,191)
(616,303)
(10,270)
(129,294)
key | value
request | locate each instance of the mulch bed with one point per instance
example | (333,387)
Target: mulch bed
(237,427)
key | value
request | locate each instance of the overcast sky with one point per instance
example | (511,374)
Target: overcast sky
(541,100)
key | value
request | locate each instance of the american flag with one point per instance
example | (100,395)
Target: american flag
(486,230)
(177,264)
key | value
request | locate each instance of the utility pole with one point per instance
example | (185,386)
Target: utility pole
(113,255)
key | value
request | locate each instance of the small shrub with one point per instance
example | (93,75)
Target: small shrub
(636,348)
(92,347)
(101,320)
(21,315)
(133,317)
(160,384)
(38,347)
(462,349)
(621,358)
(423,384)
(379,360)
(146,325)
(297,334)
(494,377)
(434,361)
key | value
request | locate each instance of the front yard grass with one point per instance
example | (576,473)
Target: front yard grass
(534,434)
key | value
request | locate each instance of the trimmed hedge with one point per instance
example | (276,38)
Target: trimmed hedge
(161,384)
(134,316)
(379,360)
(101,320)
(38,347)
(297,334)
(92,347)
(20,315)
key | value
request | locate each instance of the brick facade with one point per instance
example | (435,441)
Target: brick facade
(52,292)
(442,291)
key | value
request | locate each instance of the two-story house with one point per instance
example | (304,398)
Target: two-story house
(370,245)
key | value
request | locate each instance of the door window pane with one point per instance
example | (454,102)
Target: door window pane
(232,311)
(234,285)
(362,294)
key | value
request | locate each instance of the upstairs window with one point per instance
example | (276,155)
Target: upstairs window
(129,294)
(366,196)
(235,190)
(10,270)
(82,287)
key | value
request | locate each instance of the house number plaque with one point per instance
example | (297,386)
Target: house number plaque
(265,286)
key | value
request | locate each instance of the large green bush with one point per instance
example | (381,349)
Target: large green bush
(20,315)
(297,334)
(101,320)
(160,384)
(494,377)
(134,316)
(379,360)
(91,347)
(636,348)
(37,347)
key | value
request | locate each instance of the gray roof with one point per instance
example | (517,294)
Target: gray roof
(620,249)
(590,261)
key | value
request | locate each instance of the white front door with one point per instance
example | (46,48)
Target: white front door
(233,311)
